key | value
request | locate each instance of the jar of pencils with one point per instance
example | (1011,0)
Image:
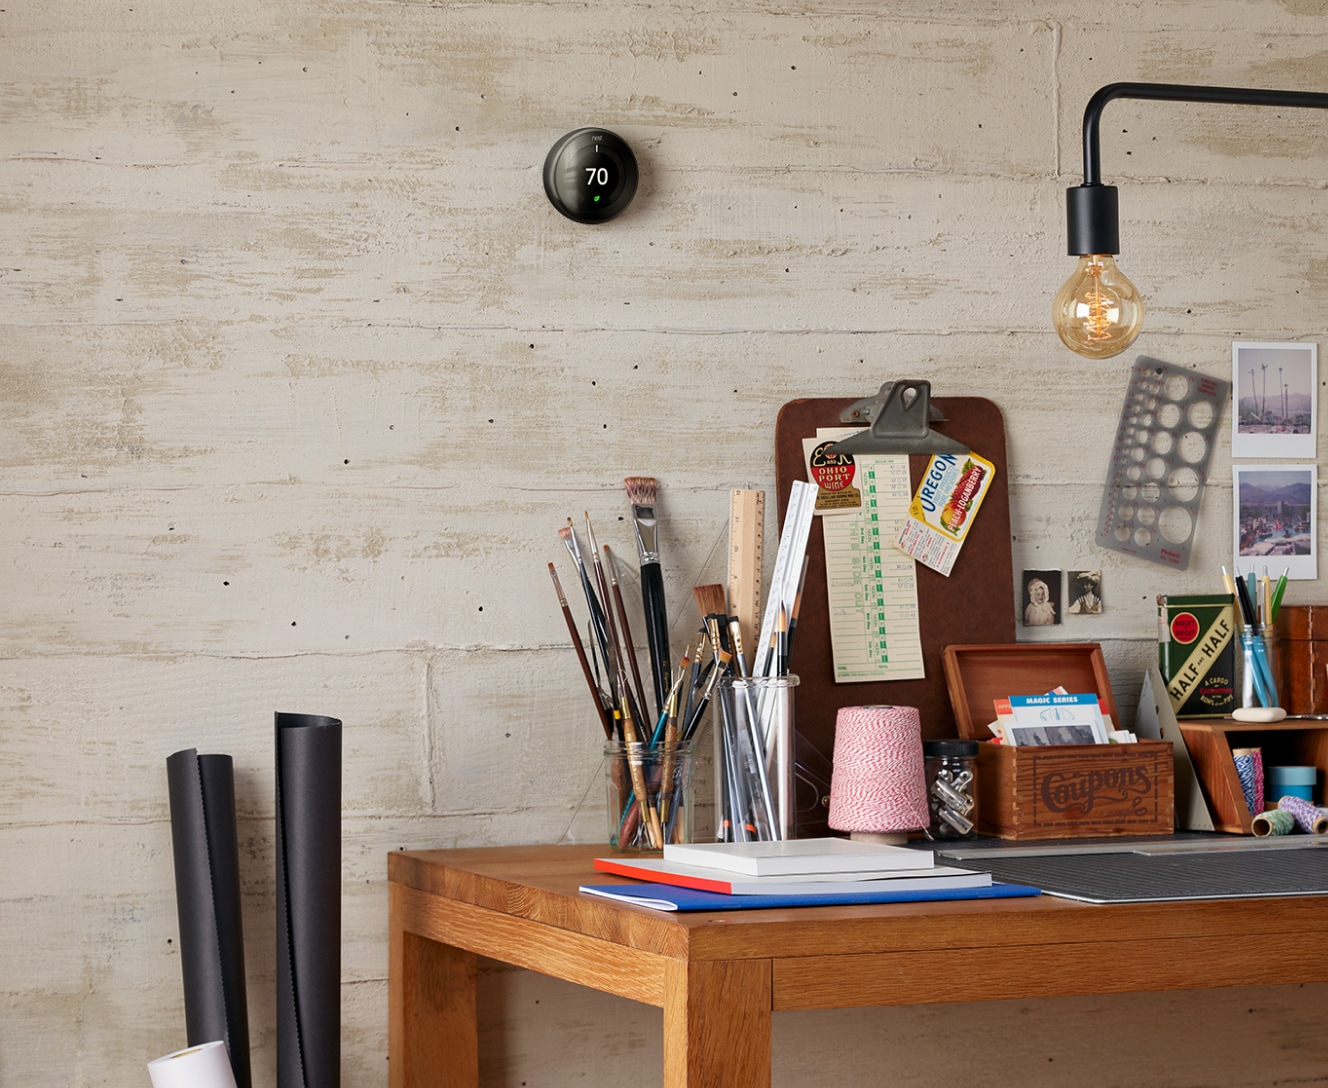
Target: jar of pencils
(649,794)
(754,759)
(1260,668)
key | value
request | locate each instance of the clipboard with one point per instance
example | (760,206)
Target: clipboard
(974,605)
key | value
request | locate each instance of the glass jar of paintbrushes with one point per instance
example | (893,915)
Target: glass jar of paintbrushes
(649,794)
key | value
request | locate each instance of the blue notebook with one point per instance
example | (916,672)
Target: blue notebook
(667,897)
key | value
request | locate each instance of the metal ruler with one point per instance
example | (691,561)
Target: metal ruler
(746,550)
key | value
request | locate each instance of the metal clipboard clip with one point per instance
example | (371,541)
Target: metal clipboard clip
(899,420)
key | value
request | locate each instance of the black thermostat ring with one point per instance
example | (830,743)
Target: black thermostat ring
(590,175)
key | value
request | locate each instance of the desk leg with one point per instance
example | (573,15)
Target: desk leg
(432,1033)
(717,1024)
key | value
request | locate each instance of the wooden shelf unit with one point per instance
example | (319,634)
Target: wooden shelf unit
(1299,742)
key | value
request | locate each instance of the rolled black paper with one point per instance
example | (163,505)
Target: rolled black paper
(308,750)
(207,898)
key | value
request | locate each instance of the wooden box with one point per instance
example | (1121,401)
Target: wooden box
(1302,633)
(1211,743)
(1060,791)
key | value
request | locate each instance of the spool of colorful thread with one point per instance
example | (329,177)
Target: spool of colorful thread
(1249,769)
(1307,817)
(877,785)
(1275,821)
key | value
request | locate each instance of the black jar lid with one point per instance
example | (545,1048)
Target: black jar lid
(965,748)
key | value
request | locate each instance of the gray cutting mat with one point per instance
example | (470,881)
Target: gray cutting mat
(1149,878)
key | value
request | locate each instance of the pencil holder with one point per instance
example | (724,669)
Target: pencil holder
(1259,668)
(663,778)
(754,759)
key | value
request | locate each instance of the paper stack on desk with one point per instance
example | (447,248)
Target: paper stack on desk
(662,871)
(800,872)
(800,857)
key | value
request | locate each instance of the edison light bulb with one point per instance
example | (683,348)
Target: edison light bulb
(1098,312)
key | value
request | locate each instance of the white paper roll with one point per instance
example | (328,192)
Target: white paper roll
(204,1066)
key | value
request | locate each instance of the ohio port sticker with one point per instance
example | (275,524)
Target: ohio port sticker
(947,501)
(833,473)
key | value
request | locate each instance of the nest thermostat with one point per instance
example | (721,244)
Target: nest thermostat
(590,175)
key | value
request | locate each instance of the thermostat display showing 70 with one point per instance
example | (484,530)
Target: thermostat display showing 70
(590,175)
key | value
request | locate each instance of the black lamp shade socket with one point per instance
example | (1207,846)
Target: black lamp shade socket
(1092,220)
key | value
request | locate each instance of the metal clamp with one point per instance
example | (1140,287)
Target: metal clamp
(899,420)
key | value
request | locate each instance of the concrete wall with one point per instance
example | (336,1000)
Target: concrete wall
(300,374)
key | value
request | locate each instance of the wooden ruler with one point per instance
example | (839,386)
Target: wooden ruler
(746,547)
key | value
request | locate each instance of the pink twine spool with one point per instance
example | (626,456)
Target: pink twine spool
(877,783)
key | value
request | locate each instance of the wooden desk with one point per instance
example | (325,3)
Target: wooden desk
(718,977)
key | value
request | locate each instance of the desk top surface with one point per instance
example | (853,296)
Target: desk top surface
(539,884)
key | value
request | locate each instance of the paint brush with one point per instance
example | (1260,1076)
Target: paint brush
(615,648)
(713,602)
(612,662)
(642,492)
(709,678)
(649,817)
(624,629)
(670,746)
(604,719)
(742,769)
(739,654)
(694,684)
(797,607)
(568,536)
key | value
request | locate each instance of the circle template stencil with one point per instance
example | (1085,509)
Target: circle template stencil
(1164,442)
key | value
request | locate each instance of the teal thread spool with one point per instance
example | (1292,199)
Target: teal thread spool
(1290,782)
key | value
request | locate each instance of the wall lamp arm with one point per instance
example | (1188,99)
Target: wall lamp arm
(1093,220)
(1180,92)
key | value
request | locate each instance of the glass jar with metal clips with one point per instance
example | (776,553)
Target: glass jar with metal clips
(951,769)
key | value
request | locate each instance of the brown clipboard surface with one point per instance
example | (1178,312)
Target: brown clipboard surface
(974,605)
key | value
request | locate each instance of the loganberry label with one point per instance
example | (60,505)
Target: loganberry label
(947,501)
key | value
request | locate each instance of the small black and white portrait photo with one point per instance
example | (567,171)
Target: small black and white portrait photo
(1042,598)
(1084,593)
